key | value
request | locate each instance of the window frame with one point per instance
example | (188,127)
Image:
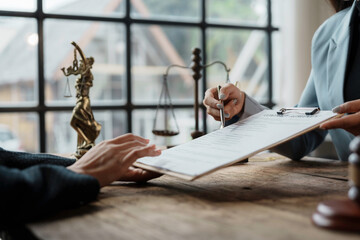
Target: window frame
(41,109)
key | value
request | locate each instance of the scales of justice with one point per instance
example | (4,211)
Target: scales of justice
(82,119)
(166,124)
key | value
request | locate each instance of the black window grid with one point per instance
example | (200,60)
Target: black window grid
(41,109)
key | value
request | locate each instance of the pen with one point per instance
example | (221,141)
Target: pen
(222,114)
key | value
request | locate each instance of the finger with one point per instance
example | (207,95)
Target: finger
(140,152)
(229,92)
(348,121)
(128,137)
(138,175)
(129,145)
(123,152)
(211,99)
(233,107)
(348,107)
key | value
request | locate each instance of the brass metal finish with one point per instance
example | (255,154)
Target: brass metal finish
(82,119)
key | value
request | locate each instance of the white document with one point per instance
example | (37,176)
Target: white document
(233,143)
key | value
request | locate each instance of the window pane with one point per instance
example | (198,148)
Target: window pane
(188,10)
(18,5)
(103,41)
(245,12)
(86,7)
(19,132)
(245,53)
(154,48)
(62,138)
(278,10)
(18,61)
(143,121)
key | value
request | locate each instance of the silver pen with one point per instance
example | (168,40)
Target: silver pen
(222,114)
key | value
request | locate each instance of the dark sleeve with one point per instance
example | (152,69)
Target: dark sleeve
(41,190)
(22,160)
(302,145)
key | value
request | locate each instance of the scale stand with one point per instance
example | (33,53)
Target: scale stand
(165,99)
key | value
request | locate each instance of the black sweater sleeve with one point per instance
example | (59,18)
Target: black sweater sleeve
(28,192)
(22,160)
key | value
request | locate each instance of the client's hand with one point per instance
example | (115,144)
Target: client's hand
(232,97)
(111,160)
(351,122)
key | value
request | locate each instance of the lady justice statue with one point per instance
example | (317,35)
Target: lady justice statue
(82,119)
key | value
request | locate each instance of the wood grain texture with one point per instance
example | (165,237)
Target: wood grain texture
(270,197)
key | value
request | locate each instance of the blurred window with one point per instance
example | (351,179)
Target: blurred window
(132,41)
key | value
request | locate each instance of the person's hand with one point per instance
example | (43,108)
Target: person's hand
(232,97)
(351,122)
(111,160)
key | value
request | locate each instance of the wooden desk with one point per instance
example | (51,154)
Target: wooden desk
(268,198)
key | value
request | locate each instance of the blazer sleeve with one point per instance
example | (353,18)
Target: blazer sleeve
(304,144)
(35,185)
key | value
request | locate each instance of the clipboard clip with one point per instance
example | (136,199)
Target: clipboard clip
(306,111)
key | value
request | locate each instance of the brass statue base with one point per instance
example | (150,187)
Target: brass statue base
(81,151)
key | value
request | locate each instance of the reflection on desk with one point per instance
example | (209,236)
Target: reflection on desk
(270,197)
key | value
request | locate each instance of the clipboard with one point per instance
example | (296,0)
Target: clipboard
(234,143)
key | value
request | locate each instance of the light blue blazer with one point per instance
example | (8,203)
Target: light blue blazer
(326,83)
(324,88)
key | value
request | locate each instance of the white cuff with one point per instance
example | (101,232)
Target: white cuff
(251,107)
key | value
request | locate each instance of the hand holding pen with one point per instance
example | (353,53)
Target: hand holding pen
(230,99)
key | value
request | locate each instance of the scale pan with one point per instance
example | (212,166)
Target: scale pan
(165,133)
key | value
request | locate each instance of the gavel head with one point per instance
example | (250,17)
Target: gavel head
(354,170)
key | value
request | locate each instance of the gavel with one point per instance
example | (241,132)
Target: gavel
(343,214)
(354,171)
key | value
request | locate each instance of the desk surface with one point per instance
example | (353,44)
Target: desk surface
(270,197)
